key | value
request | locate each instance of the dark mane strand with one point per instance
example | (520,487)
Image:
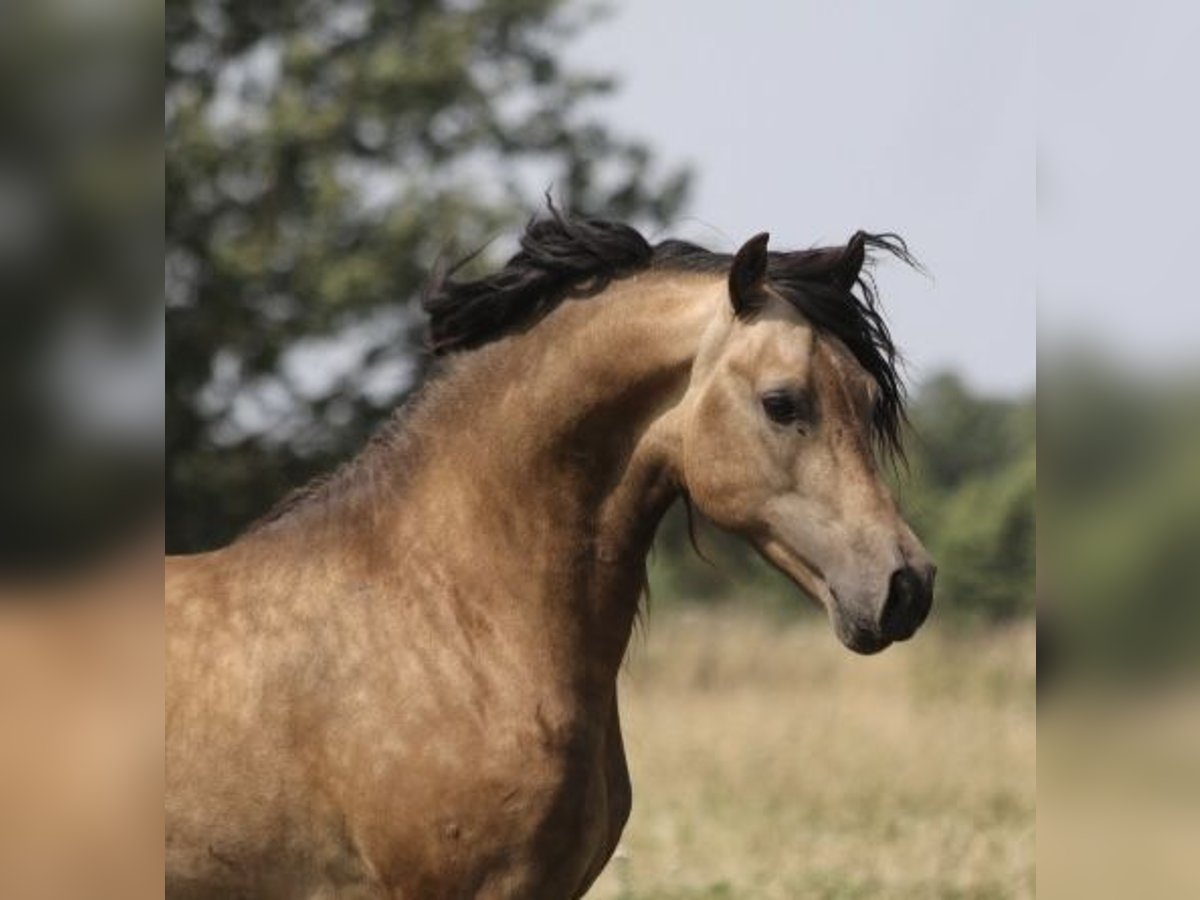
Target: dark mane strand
(561,257)
(809,280)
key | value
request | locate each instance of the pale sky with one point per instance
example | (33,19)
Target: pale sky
(1118,188)
(811,120)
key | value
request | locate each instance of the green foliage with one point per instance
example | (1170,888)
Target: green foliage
(958,435)
(971,496)
(321,155)
(983,538)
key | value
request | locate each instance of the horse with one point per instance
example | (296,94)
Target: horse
(402,682)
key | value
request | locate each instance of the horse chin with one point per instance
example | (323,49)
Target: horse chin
(865,641)
(851,631)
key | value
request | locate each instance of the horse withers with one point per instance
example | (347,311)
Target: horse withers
(402,682)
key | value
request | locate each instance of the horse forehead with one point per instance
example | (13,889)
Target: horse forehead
(840,374)
(778,345)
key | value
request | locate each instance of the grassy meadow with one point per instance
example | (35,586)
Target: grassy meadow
(769,762)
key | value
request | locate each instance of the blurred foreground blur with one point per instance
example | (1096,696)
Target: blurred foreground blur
(80,451)
(81,342)
(1119,432)
(1119,428)
(1119,630)
(1119,572)
(81,702)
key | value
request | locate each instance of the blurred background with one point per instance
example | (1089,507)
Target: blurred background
(320,156)
(1119,500)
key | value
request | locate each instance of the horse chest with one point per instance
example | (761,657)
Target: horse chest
(529,818)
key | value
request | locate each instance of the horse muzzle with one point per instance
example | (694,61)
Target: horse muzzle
(909,598)
(905,608)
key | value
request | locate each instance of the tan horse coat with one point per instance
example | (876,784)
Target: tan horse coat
(405,686)
(412,686)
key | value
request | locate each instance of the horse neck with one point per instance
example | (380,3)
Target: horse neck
(561,452)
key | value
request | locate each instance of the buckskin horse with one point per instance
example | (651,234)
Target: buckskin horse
(402,682)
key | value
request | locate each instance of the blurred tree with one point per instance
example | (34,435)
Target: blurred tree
(958,434)
(321,154)
(984,543)
(971,495)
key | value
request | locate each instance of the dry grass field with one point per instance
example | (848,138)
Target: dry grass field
(769,762)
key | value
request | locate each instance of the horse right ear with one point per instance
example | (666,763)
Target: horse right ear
(748,276)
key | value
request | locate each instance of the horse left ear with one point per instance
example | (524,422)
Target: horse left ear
(850,264)
(748,276)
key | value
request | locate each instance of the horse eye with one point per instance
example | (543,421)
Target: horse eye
(780,407)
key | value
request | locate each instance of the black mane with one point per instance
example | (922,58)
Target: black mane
(563,257)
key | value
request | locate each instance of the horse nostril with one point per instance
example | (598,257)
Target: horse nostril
(909,597)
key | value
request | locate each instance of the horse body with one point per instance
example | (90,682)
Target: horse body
(413,688)
(405,684)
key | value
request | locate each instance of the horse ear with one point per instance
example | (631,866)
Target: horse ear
(748,275)
(850,264)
